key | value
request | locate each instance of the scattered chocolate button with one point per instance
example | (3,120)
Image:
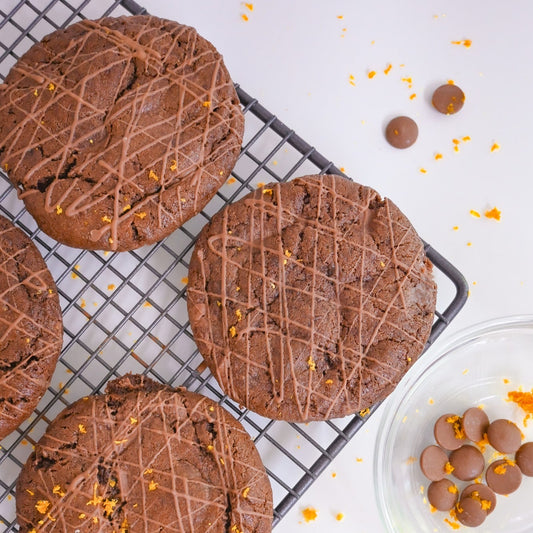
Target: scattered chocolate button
(433,462)
(401,132)
(524,458)
(470,512)
(503,476)
(483,493)
(443,494)
(449,432)
(504,436)
(475,423)
(448,99)
(468,463)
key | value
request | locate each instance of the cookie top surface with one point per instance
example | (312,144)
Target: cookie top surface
(310,299)
(144,457)
(123,127)
(31,327)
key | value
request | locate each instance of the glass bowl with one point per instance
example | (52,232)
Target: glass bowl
(479,366)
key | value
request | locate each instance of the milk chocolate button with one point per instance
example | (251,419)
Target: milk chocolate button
(503,477)
(432,462)
(448,432)
(524,458)
(470,512)
(504,435)
(401,132)
(443,494)
(468,463)
(482,493)
(448,99)
(475,423)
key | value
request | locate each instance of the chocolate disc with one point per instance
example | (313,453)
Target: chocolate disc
(443,494)
(470,512)
(468,463)
(503,477)
(448,432)
(401,132)
(524,458)
(504,436)
(475,423)
(432,462)
(448,99)
(484,494)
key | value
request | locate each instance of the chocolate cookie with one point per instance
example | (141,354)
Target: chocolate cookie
(31,328)
(117,131)
(310,299)
(144,457)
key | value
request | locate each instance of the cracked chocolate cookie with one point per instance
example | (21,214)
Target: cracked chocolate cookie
(310,299)
(31,327)
(144,457)
(116,131)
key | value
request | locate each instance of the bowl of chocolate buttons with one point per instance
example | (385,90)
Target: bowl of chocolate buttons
(454,448)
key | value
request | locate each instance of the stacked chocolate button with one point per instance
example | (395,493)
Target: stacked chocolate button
(458,453)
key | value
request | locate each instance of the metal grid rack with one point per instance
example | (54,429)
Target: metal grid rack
(126,312)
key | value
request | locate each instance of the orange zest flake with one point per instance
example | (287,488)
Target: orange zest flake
(505,380)
(152,485)
(245,492)
(260,185)
(388,69)
(152,175)
(127,207)
(244,17)
(109,506)
(410,460)
(238,314)
(457,423)
(311,363)
(121,441)
(466,138)
(309,514)
(57,490)
(233,331)
(185,280)
(409,81)
(475,213)
(494,147)
(133,421)
(268,191)
(42,506)
(207,103)
(438,156)
(364,412)
(36,93)
(110,287)
(30,492)
(448,468)
(423,170)
(141,215)
(59,210)
(453,489)
(493,213)
(147,304)
(351,80)
(231,180)
(51,86)
(339,517)
(249,6)
(173,165)
(453,525)
(329,382)
(148,471)
(412,97)
(371,74)
(112,483)
(467,43)
(81,428)
(106,218)
(524,400)
(500,469)
(359,459)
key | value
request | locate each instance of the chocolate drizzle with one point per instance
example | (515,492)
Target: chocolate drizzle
(120,128)
(30,327)
(146,458)
(310,299)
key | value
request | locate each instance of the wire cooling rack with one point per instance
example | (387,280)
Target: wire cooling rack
(126,312)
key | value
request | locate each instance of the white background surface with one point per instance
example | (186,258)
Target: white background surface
(291,56)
